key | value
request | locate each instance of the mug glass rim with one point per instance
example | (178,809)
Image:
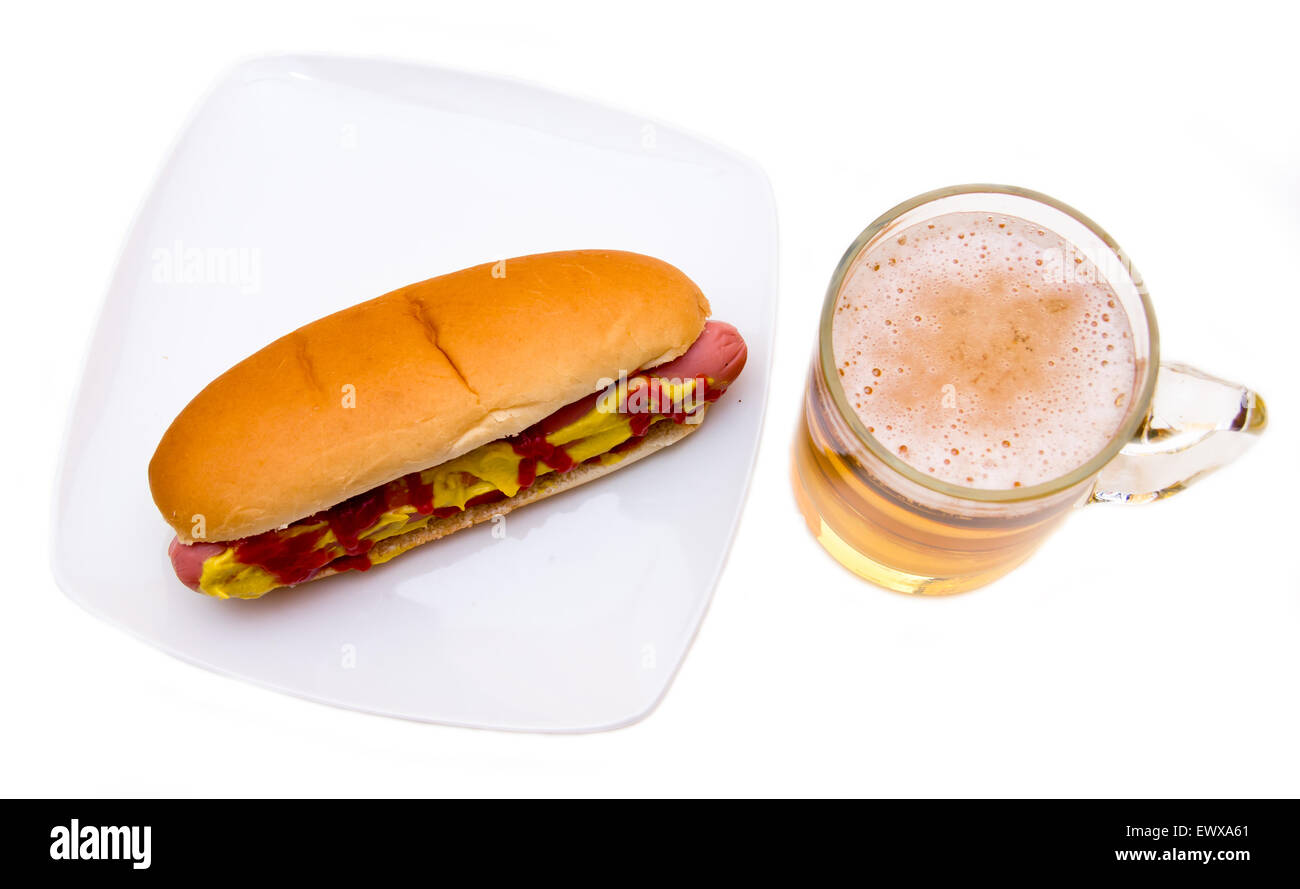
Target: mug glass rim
(1122,436)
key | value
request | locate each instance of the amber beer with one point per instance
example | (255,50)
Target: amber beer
(983,353)
(904,544)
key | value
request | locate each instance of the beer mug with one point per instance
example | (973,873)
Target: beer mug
(987,361)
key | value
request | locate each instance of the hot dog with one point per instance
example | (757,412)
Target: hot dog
(454,374)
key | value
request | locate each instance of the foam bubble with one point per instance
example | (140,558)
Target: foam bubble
(969,351)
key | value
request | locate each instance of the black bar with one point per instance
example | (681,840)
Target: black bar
(329,837)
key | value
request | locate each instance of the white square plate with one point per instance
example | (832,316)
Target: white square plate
(304,185)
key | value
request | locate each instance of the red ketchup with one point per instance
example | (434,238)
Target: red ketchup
(532,446)
(293,558)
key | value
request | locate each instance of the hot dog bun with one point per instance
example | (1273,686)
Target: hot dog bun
(435,369)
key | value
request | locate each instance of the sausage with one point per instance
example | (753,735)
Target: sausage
(718,353)
(188,558)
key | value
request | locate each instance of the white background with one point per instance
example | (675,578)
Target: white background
(1143,651)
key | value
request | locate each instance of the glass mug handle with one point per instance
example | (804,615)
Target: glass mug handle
(1196,424)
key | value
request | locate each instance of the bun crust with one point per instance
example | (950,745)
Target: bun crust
(435,369)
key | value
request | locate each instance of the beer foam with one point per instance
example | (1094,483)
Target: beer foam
(983,350)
